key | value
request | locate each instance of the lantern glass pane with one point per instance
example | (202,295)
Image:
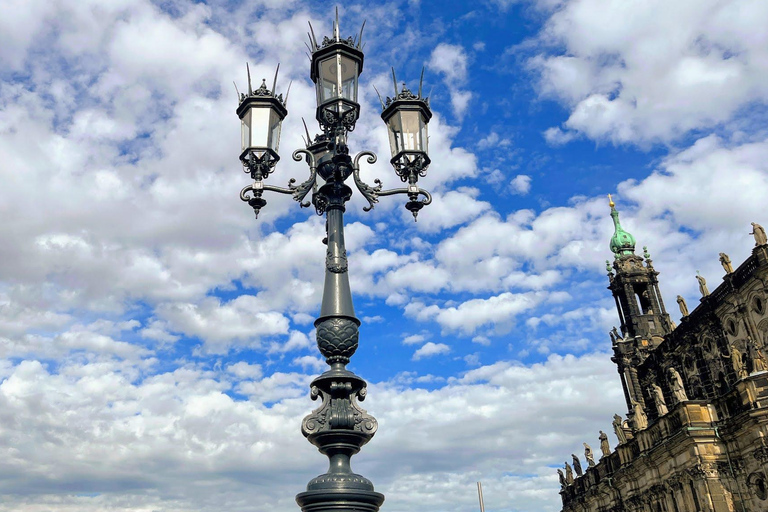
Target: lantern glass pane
(327,82)
(424,135)
(411,137)
(259,126)
(245,131)
(348,78)
(395,133)
(274,130)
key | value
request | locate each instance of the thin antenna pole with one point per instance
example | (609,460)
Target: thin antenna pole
(480,496)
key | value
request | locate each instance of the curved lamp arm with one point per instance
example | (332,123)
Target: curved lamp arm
(371,194)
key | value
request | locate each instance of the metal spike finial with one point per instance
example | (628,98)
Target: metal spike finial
(248,70)
(336,25)
(236,91)
(421,81)
(394,81)
(309,138)
(285,101)
(360,38)
(274,83)
(312,38)
(379,95)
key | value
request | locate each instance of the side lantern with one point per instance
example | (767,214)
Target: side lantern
(261,115)
(406,116)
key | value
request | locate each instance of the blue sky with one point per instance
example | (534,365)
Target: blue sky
(156,342)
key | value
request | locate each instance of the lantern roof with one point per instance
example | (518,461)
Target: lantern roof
(352,46)
(263,95)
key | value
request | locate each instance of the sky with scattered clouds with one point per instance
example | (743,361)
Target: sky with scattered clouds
(156,341)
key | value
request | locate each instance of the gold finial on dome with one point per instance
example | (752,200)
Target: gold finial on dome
(610,201)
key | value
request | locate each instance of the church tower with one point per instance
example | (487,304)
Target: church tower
(644,320)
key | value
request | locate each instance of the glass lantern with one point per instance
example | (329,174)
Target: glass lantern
(261,117)
(335,72)
(407,118)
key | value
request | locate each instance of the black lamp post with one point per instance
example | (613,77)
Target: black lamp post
(339,427)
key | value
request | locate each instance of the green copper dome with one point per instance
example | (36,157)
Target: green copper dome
(621,241)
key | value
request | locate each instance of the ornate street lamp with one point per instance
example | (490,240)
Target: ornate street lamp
(339,427)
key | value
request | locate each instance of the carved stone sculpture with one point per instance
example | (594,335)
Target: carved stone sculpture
(725,261)
(568,474)
(737,360)
(658,399)
(702,284)
(759,233)
(589,455)
(682,305)
(639,418)
(576,465)
(562,479)
(676,383)
(605,446)
(756,357)
(618,429)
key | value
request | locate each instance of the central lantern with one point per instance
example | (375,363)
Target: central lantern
(336,66)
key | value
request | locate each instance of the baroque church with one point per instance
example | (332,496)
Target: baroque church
(694,437)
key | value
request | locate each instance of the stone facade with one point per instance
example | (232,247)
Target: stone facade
(694,438)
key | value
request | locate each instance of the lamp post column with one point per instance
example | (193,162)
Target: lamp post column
(339,427)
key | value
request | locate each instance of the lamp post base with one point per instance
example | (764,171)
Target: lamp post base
(340,500)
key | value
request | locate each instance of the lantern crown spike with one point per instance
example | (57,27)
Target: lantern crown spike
(336,26)
(248,71)
(274,83)
(360,37)
(312,38)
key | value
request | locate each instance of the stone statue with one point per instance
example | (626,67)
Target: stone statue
(568,474)
(759,232)
(562,478)
(639,418)
(658,399)
(682,305)
(702,284)
(756,357)
(576,465)
(615,332)
(589,455)
(737,359)
(676,383)
(725,261)
(618,429)
(605,446)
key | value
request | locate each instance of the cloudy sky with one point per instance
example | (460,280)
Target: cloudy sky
(156,342)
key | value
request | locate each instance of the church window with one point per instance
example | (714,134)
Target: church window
(758,305)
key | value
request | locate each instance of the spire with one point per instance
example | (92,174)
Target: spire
(621,242)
